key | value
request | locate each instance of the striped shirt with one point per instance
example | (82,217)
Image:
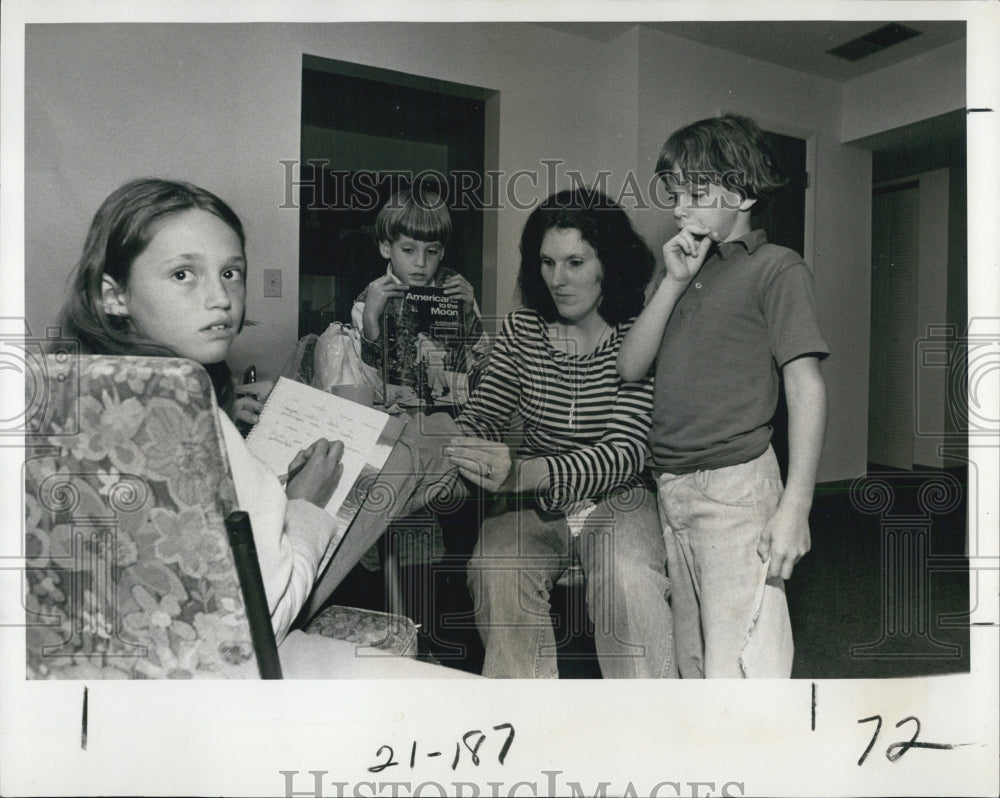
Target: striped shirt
(588,425)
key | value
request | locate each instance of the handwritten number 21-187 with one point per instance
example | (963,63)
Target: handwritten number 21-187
(472,740)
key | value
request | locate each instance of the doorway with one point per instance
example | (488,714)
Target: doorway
(367,133)
(783,218)
(919,291)
(894,323)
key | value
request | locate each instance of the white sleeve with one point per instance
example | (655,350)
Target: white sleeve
(357,316)
(290,536)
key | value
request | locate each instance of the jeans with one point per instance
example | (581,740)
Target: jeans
(730,621)
(522,552)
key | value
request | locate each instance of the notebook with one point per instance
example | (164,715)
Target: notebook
(295,415)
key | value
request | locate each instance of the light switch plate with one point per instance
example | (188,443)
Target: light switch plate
(272,282)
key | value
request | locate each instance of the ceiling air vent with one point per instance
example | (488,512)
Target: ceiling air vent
(873,42)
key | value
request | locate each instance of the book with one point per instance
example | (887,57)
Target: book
(295,415)
(424,358)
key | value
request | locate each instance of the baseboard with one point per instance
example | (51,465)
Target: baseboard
(840,486)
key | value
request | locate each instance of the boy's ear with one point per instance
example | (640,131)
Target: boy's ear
(747,203)
(385,249)
(113,297)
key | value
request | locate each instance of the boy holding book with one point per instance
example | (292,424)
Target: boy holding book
(412,230)
(732,315)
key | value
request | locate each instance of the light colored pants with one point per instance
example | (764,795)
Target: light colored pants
(522,552)
(730,621)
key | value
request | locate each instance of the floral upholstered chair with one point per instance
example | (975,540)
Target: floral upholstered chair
(129,570)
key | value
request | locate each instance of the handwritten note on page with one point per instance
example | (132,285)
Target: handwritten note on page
(295,415)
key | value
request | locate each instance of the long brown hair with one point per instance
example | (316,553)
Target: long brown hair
(120,231)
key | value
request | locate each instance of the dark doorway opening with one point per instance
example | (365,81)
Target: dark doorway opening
(366,133)
(783,218)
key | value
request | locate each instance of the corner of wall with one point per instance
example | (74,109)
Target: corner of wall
(926,85)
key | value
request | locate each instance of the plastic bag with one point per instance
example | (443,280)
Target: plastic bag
(337,360)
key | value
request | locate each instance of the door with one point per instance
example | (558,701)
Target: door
(894,324)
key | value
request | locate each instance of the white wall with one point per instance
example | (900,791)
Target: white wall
(918,88)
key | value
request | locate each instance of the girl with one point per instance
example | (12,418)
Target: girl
(163,272)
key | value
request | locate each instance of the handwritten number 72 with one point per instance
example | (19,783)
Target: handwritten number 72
(896,750)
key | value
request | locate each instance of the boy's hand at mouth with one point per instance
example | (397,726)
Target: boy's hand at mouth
(685,252)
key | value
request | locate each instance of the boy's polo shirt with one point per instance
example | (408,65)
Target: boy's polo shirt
(748,311)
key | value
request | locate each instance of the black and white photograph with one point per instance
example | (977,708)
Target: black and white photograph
(727,287)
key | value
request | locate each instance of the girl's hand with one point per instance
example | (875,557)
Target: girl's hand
(315,472)
(458,287)
(380,291)
(482,462)
(250,401)
(685,252)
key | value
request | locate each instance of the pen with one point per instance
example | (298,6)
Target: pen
(249,378)
(290,474)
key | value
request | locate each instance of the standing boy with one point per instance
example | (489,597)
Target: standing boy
(732,314)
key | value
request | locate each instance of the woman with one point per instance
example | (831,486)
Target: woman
(578,471)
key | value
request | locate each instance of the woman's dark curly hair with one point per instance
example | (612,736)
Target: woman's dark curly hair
(625,259)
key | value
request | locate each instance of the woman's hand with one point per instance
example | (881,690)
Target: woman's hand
(315,472)
(250,401)
(380,291)
(459,288)
(685,252)
(483,463)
